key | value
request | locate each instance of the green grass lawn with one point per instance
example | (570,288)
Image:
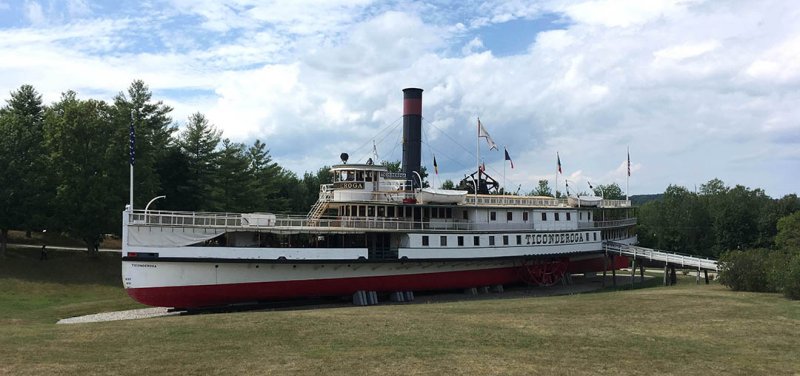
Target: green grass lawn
(683,329)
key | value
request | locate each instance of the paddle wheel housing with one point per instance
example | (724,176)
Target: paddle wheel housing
(543,272)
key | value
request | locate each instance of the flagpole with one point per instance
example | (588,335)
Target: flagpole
(628,178)
(555,194)
(505,150)
(131,160)
(477,167)
(478,159)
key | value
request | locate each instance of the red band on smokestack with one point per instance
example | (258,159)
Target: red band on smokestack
(412,106)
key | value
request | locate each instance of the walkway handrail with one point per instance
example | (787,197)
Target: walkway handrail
(659,255)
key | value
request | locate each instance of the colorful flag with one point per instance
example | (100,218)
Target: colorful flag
(629,162)
(508,158)
(482,167)
(133,142)
(435,166)
(483,133)
(559,163)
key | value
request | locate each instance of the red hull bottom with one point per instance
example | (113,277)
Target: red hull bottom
(215,295)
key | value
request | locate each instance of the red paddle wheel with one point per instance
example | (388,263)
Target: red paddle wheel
(544,272)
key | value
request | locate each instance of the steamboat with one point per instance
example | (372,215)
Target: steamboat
(373,231)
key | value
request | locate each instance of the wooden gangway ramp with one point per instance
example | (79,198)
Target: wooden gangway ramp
(677,259)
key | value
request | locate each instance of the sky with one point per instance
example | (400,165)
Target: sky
(694,89)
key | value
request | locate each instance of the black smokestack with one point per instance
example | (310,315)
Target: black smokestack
(412,132)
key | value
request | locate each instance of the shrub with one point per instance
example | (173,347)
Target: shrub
(791,278)
(756,270)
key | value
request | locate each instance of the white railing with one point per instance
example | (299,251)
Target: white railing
(607,224)
(233,221)
(535,201)
(662,256)
(615,204)
(513,200)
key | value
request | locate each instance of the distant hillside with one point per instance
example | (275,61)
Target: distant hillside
(639,200)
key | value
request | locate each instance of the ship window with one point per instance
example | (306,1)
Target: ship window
(580,216)
(443,241)
(425,240)
(460,241)
(505,239)
(466,214)
(362,210)
(381,211)
(589,214)
(370,211)
(568,218)
(434,213)
(556,215)
(476,240)
(368,176)
(519,239)
(390,211)
(509,216)
(359,175)
(544,216)
(491,240)
(525,216)
(595,236)
(492,216)
(448,213)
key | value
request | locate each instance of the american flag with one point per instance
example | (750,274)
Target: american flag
(508,158)
(559,162)
(133,142)
(629,162)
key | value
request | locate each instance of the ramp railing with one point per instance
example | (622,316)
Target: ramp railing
(693,262)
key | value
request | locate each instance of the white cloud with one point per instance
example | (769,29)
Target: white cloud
(34,12)
(696,89)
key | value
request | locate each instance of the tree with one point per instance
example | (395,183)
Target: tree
(543,189)
(198,142)
(788,237)
(24,187)
(153,128)
(448,184)
(76,133)
(609,191)
(232,177)
(677,223)
(266,179)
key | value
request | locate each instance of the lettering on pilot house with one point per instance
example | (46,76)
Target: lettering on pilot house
(144,265)
(348,185)
(561,238)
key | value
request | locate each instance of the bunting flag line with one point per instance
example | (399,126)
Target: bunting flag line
(559,163)
(508,158)
(483,133)
(435,166)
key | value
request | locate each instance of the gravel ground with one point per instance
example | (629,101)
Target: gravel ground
(120,315)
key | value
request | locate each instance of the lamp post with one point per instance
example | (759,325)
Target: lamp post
(148,205)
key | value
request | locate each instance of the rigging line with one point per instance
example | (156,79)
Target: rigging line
(380,141)
(387,128)
(448,157)
(451,138)
(400,141)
